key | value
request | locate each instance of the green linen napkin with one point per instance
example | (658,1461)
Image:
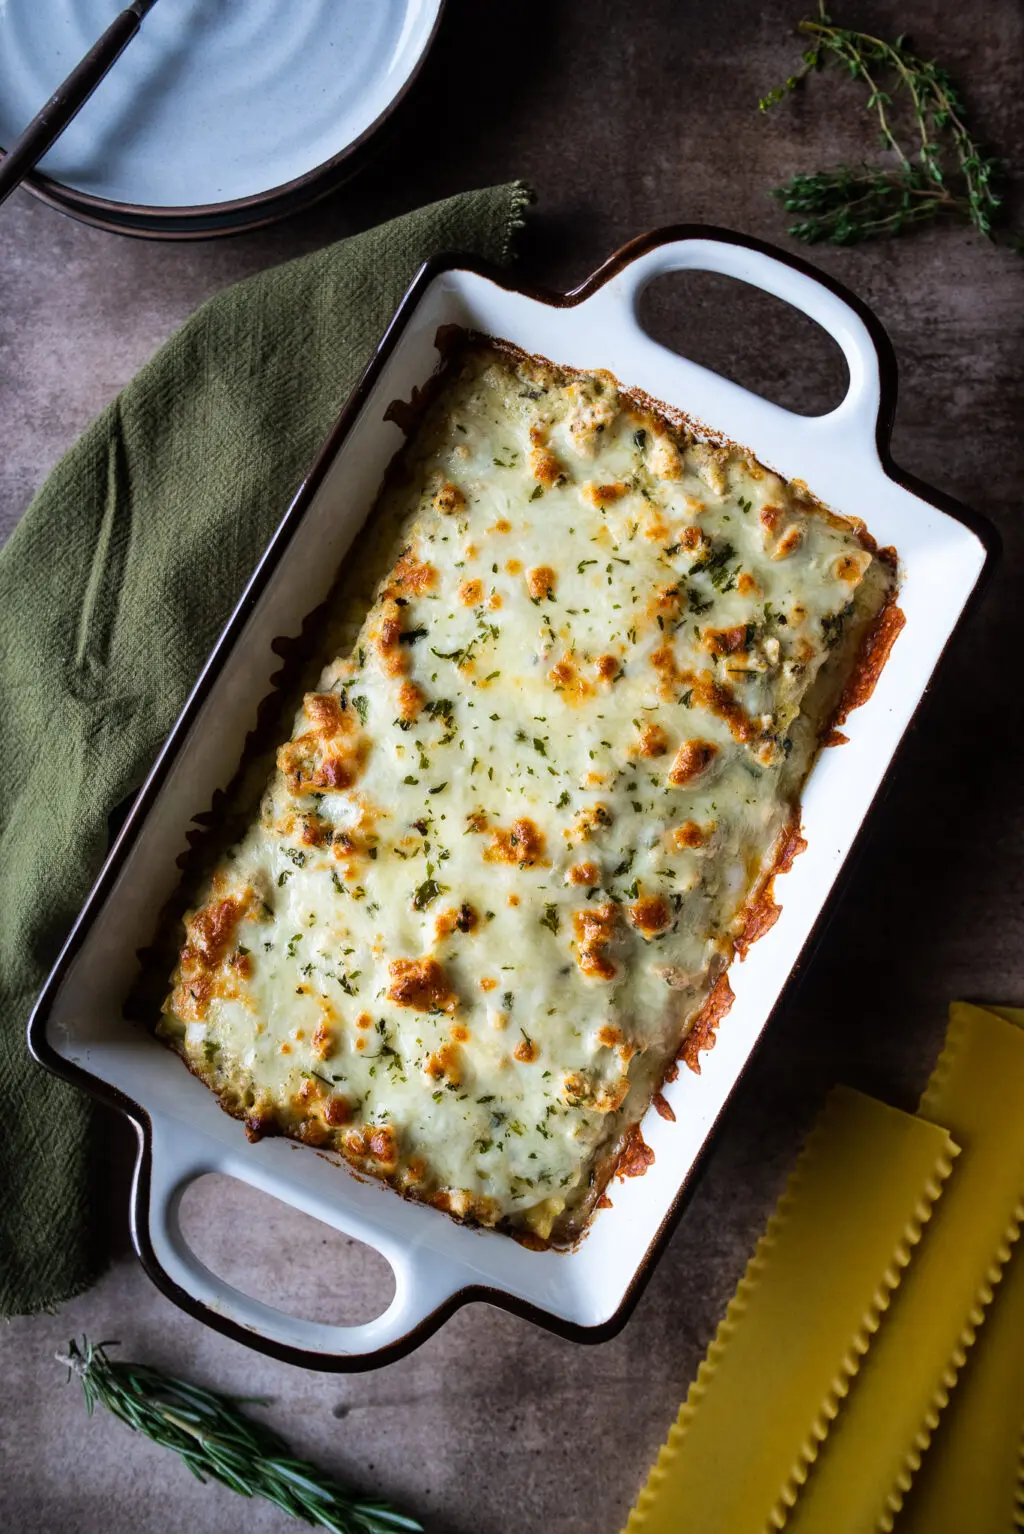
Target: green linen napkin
(112,590)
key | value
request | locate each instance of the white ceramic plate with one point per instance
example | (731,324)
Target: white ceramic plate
(78,1028)
(214,101)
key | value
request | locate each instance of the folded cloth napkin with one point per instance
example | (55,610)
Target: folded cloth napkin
(112,590)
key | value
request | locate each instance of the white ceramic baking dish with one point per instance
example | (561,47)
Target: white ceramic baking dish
(78,1028)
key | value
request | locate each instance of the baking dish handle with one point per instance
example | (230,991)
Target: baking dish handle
(423,1279)
(794,283)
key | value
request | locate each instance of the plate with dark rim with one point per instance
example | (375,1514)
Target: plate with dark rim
(218,117)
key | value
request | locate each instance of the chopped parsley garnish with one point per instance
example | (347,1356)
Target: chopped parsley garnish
(550,918)
(428,891)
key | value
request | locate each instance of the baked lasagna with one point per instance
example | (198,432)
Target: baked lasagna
(526,819)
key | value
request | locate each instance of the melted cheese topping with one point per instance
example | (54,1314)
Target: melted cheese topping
(507,850)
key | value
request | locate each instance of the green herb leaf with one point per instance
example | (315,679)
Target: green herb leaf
(428,891)
(218,1442)
(942,172)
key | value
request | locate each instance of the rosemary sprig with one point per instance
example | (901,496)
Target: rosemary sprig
(945,173)
(219,1442)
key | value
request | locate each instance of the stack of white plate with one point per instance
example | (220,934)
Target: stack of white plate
(221,115)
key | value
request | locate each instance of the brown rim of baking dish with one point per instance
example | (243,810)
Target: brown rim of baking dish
(40,1046)
(240,215)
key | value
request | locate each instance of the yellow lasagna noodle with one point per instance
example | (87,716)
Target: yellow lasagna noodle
(790,1343)
(867,1464)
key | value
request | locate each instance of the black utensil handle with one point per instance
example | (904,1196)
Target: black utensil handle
(67,100)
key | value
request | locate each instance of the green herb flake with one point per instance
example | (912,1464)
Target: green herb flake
(427,892)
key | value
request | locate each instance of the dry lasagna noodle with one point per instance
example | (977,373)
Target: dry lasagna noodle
(524,822)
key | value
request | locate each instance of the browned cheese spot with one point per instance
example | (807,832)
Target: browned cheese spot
(386,639)
(670,677)
(693,758)
(411,576)
(209,933)
(594,927)
(315,831)
(444,1063)
(601,496)
(544,466)
(421,984)
(461,918)
(569,681)
(731,641)
(323,1042)
(411,699)
(372,1143)
(650,915)
(329,756)
(522,844)
(241,964)
(653,741)
(689,834)
(590,820)
(449,500)
(665,461)
(584,873)
(337,1111)
(719,698)
(789,542)
(850,567)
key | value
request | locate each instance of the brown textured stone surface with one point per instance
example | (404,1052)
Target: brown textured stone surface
(623,117)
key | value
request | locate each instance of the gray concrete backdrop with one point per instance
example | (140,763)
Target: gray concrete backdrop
(622,117)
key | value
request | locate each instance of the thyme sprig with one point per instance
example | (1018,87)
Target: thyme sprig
(220,1443)
(945,172)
